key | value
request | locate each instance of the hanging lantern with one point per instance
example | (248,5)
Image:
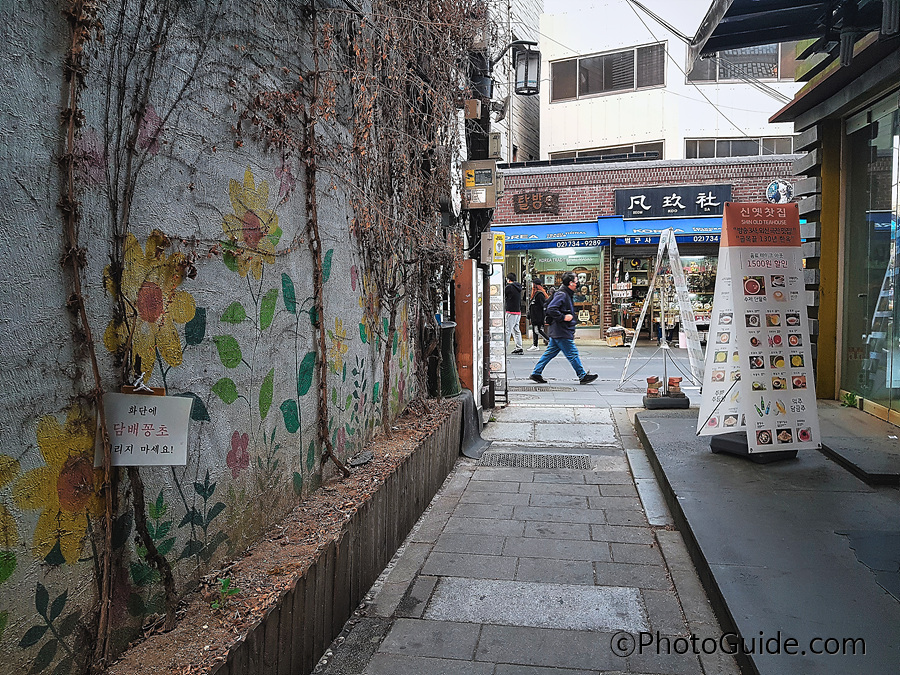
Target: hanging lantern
(528,71)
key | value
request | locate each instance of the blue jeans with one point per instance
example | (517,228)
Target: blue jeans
(569,350)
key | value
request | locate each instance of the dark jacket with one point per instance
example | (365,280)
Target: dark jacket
(536,308)
(512,297)
(560,305)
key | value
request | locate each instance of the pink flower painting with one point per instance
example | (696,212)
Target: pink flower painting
(238,458)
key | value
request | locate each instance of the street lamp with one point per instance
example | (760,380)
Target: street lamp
(527,63)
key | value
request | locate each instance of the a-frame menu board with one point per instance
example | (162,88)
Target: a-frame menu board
(759,375)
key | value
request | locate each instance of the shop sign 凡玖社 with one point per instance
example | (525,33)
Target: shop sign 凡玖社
(676,201)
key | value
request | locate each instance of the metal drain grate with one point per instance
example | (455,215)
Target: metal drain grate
(536,460)
(537,387)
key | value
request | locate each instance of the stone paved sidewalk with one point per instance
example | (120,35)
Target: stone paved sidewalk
(519,571)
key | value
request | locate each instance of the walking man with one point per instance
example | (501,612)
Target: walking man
(512,301)
(561,314)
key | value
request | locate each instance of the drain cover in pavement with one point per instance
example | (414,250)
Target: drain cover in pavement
(535,387)
(536,460)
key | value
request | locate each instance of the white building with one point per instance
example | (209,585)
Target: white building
(614,80)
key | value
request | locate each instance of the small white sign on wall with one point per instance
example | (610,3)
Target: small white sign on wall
(146,430)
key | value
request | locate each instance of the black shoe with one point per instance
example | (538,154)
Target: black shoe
(537,378)
(588,378)
(517,351)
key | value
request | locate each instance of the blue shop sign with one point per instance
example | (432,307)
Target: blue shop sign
(683,239)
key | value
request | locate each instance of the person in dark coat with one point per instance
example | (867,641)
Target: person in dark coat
(539,298)
(512,300)
(561,315)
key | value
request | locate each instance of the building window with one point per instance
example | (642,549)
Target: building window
(654,146)
(762,62)
(627,70)
(695,148)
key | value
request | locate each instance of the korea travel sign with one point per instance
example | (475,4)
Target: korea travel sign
(758,374)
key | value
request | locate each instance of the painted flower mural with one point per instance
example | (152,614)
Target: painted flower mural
(9,533)
(403,331)
(338,347)
(238,458)
(252,229)
(64,490)
(153,303)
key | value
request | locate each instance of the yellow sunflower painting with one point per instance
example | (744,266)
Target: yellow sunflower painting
(9,535)
(65,490)
(153,303)
(252,229)
(338,347)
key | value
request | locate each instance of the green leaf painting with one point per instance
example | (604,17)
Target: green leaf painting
(362,333)
(33,635)
(314,316)
(288,294)
(387,326)
(199,413)
(226,390)
(311,456)
(235,313)
(41,599)
(298,483)
(229,350)
(229,257)
(265,394)
(305,375)
(7,564)
(57,607)
(195,329)
(326,265)
(45,656)
(267,308)
(291,416)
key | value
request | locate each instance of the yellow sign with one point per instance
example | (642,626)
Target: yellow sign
(470,178)
(499,249)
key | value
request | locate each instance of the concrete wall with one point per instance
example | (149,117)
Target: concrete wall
(220,280)
(671,113)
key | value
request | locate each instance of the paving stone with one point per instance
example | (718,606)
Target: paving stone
(441,639)
(540,605)
(567,476)
(358,647)
(560,489)
(501,498)
(498,473)
(508,432)
(387,599)
(409,563)
(539,414)
(557,501)
(612,477)
(546,647)
(468,565)
(624,503)
(558,530)
(395,664)
(640,576)
(560,549)
(580,435)
(491,526)
(638,554)
(413,603)
(484,511)
(509,669)
(667,661)
(664,612)
(625,517)
(469,543)
(622,533)
(551,515)
(549,570)
(492,486)
(428,532)
(627,490)
(593,416)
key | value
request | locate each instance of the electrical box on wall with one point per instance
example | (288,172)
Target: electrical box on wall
(500,184)
(494,145)
(479,184)
(472,108)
